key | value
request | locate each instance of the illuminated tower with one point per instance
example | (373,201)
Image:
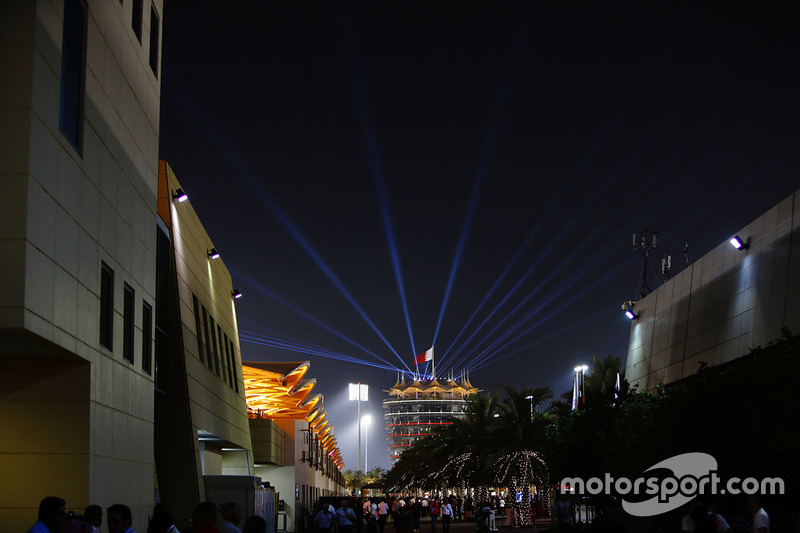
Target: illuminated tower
(421,408)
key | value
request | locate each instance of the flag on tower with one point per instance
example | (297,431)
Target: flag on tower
(425,356)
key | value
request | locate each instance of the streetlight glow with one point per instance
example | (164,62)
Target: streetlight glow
(359,392)
(366,420)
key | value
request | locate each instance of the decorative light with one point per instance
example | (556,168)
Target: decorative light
(180,195)
(213,253)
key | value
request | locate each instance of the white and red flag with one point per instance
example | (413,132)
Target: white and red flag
(425,356)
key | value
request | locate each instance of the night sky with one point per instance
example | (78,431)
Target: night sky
(499,156)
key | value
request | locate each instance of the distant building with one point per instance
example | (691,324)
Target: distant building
(421,408)
(722,305)
(294,446)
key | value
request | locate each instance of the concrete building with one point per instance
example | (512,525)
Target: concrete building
(201,426)
(121,375)
(294,446)
(422,407)
(79,122)
(720,306)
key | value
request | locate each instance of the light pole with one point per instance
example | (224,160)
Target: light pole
(367,420)
(577,387)
(358,392)
(531,399)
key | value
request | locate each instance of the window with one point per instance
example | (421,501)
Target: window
(236,376)
(136,19)
(73,53)
(200,346)
(228,359)
(154,40)
(214,344)
(127,321)
(147,337)
(106,306)
(222,353)
(209,346)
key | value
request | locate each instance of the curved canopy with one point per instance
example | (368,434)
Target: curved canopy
(278,390)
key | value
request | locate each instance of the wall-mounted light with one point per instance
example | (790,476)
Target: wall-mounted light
(738,243)
(236,294)
(627,307)
(180,195)
(213,253)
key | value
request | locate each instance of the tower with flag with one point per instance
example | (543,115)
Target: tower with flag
(424,404)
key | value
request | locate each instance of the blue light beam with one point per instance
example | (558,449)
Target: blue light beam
(250,178)
(304,314)
(282,344)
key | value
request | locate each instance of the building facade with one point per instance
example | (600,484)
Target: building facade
(79,121)
(294,446)
(421,408)
(200,412)
(722,305)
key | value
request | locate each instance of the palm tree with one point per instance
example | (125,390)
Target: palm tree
(520,436)
(470,442)
(600,385)
(353,479)
(376,474)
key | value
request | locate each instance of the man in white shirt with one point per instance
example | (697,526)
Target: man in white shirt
(383,513)
(447,513)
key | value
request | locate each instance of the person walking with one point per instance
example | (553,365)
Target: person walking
(324,520)
(435,510)
(416,515)
(383,514)
(447,515)
(345,518)
(760,516)
(231,516)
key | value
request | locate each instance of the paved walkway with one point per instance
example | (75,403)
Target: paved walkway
(468,526)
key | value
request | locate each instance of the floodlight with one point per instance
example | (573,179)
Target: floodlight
(628,308)
(180,195)
(738,243)
(359,391)
(213,253)
(237,294)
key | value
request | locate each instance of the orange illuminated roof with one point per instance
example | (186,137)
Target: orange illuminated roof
(278,391)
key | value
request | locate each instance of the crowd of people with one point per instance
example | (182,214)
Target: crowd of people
(370,515)
(207,517)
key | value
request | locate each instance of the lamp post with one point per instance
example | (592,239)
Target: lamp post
(577,387)
(358,392)
(531,399)
(367,420)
